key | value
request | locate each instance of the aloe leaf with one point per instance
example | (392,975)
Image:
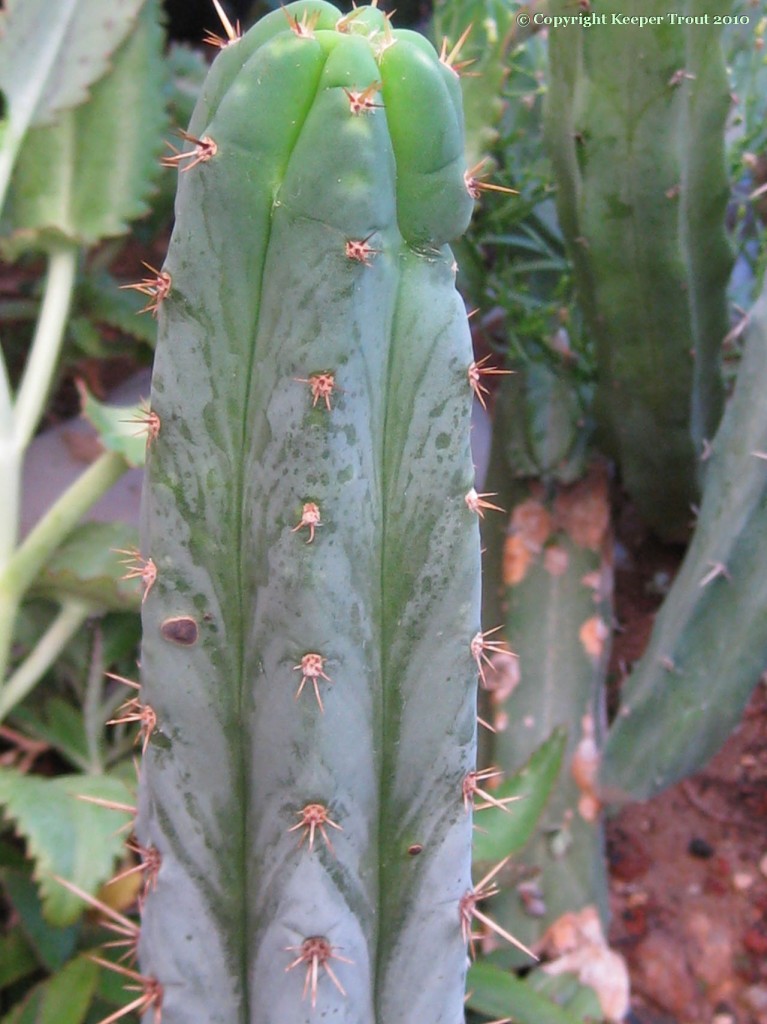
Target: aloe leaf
(503,832)
(502,994)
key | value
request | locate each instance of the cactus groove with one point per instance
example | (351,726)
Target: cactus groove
(307,638)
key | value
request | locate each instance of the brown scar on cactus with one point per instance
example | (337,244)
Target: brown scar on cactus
(477,503)
(316,952)
(477,370)
(322,385)
(310,518)
(157,287)
(592,634)
(139,568)
(359,250)
(468,910)
(180,629)
(312,668)
(584,769)
(204,149)
(476,185)
(314,818)
(362,102)
(233,32)
(150,988)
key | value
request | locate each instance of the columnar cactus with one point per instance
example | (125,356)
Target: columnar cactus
(708,646)
(635,126)
(310,545)
(548,579)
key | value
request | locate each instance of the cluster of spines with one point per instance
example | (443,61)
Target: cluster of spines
(314,952)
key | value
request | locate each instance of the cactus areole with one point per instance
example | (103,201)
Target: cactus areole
(307,636)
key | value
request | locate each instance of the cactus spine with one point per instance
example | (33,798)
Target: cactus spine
(307,637)
(635,126)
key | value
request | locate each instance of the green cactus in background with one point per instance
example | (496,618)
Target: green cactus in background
(635,127)
(548,580)
(709,642)
(310,542)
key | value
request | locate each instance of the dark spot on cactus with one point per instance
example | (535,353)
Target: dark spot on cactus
(180,630)
(346,475)
(442,441)
(414,850)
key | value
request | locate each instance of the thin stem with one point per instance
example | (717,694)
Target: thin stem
(69,620)
(46,344)
(10,500)
(94,691)
(62,517)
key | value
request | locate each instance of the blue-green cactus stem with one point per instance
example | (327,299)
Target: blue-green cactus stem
(306,507)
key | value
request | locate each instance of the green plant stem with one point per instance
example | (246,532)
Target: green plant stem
(46,344)
(20,420)
(70,618)
(14,136)
(39,545)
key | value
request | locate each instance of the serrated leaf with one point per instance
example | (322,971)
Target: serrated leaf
(65,836)
(89,174)
(52,946)
(502,994)
(61,999)
(88,566)
(119,427)
(51,53)
(505,832)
